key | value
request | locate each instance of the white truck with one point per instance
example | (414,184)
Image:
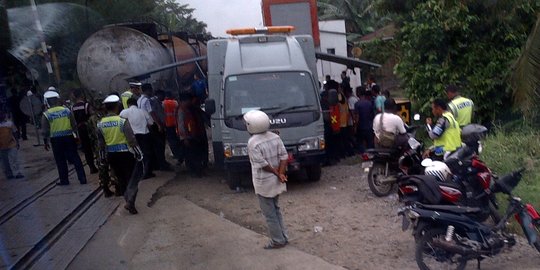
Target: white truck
(269,70)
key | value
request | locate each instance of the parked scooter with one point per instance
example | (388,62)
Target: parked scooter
(462,179)
(448,236)
(382,164)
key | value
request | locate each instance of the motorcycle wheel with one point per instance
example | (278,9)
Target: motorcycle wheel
(429,257)
(379,189)
(537,243)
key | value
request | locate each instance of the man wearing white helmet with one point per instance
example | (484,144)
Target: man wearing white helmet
(58,126)
(268,158)
(116,139)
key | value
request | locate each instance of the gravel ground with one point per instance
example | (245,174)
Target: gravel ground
(337,219)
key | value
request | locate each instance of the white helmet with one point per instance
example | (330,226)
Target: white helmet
(256,121)
(438,169)
(111,99)
(50,94)
(51,88)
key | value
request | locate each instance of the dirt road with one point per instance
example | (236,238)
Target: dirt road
(355,229)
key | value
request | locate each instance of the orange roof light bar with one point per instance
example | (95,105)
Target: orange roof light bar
(264,30)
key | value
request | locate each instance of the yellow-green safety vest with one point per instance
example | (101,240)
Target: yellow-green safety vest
(112,128)
(124,97)
(450,140)
(59,121)
(462,109)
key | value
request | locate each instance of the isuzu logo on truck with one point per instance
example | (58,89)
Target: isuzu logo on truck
(278,121)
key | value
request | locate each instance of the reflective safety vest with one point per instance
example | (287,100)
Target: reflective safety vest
(169,106)
(450,140)
(112,128)
(59,121)
(462,109)
(124,97)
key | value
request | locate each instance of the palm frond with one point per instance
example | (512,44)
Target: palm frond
(526,76)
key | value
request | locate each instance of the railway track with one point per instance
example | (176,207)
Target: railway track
(40,232)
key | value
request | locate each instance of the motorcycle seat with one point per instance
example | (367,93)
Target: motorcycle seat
(452,208)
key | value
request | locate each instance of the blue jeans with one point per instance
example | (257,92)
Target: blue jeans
(274,220)
(10,162)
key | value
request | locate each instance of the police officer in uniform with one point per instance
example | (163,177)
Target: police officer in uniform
(134,89)
(461,107)
(59,126)
(116,140)
(106,177)
(446,133)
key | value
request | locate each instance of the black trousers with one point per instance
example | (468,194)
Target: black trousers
(174,143)
(365,139)
(86,144)
(195,154)
(158,145)
(146,144)
(128,172)
(65,149)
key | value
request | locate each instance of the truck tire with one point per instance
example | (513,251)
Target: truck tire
(313,172)
(233,179)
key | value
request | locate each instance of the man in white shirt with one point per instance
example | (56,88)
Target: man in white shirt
(268,158)
(390,123)
(140,121)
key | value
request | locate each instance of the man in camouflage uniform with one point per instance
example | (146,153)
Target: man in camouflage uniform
(106,176)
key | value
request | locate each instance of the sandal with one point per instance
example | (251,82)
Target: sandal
(272,245)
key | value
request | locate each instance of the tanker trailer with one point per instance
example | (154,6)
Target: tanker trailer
(115,53)
(185,51)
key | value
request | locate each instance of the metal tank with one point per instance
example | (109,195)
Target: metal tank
(115,53)
(185,51)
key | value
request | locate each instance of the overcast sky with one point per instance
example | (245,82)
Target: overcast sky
(221,15)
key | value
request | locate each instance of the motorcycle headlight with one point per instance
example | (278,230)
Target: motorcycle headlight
(235,150)
(312,143)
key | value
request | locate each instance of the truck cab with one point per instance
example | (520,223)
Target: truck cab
(272,71)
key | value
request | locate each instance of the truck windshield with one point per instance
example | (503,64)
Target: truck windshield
(270,92)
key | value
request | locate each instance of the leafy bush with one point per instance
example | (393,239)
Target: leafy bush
(506,151)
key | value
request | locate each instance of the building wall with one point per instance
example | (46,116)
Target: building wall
(333,37)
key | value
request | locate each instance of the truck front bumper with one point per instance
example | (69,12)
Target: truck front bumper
(295,163)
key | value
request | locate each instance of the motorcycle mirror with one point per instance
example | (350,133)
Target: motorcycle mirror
(416,117)
(427,162)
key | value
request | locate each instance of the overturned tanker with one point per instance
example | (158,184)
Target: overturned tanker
(115,53)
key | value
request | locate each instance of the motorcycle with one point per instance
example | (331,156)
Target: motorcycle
(448,236)
(466,184)
(383,164)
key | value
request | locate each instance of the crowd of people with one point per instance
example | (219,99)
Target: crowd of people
(369,119)
(123,136)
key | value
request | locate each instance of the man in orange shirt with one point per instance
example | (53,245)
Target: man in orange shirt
(170,106)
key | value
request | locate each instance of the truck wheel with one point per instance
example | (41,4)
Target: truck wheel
(313,172)
(233,179)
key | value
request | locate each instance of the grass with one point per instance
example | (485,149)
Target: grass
(508,150)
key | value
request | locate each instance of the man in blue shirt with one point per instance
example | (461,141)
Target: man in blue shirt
(363,119)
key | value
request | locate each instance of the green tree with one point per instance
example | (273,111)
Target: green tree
(469,43)
(177,17)
(360,16)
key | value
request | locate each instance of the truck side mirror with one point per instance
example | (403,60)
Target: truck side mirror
(210,106)
(332,97)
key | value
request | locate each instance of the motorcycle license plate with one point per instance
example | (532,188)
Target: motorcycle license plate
(405,223)
(367,164)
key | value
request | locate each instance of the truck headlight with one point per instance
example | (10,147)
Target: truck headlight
(235,150)
(312,143)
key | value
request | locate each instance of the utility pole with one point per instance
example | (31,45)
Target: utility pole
(41,35)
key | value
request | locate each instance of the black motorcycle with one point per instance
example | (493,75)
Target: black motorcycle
(383,164)
(448,236)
